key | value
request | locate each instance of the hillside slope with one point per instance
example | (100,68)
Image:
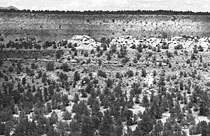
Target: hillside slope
(59,26)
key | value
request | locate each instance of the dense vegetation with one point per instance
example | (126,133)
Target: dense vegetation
(104,90)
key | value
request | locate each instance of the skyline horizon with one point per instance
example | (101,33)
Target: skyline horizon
(11,6)
(109,5)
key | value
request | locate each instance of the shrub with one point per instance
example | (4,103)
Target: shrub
(1,63)
(104,46)
(178,47)
(144,73)
(188,61)
(66,115)
(139,48)
(109,56)
(133,46)
(65,67)
(129,73)
(99,62)
(50,66)
(200,48)
(84,93)
(135,60)
(105,40)
(59,53)
(76,98)
(1,39)
(165,45)
(118,75)
(89,87)
(10,69)
(86,54)
(63,76)
(113,48)
(85,80)
(125,60)
(109,83)
(208,83)
(193,57)
(102,74)
(24,81)
(76,76)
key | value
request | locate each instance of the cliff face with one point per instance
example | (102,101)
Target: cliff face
(27,54)
(60,26)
